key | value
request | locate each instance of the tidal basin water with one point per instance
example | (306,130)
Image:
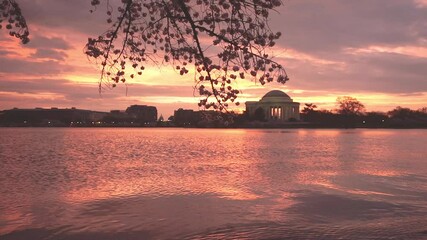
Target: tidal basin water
(146,183)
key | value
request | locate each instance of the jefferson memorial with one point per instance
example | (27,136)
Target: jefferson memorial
(276,106)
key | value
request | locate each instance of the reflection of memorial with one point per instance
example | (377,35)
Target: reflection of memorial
(274,106)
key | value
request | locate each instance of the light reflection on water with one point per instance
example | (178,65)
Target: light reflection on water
(212,183)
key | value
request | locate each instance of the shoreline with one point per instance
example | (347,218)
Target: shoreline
(231,127)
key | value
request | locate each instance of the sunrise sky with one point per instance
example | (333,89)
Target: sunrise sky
(375,51)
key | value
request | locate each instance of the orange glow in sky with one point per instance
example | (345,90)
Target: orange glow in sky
(337,51)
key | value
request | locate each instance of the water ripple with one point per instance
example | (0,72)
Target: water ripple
(212,184)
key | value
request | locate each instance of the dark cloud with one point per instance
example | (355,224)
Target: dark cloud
(60,14)
(34,85)
(309,26)
(49,54)
(23,66)
(402,66)
(327,26)
(75,90)
(374,72)
(6,52)
(65,93)
(40,42)
(327,30)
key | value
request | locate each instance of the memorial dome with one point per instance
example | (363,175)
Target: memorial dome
(276,95)
(275,106)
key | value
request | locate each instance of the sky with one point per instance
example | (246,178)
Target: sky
(375,51)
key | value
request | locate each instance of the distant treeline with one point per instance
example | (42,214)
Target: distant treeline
(350,113)
(396,118)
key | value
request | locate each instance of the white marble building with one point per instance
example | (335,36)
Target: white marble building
(276,106)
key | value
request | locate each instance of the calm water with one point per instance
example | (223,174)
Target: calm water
(210,184)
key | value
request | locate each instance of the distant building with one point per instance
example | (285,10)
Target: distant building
(185,117)
(53,116)
(143,113)
(118,116)
(274,106)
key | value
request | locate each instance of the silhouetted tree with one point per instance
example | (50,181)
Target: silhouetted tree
(401,113)
(11,15)
(325,117)
(407,118)
(309,107)
(240,119)
(375,119)
(224,40)
(308,113)
(349,106)
(406,113)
